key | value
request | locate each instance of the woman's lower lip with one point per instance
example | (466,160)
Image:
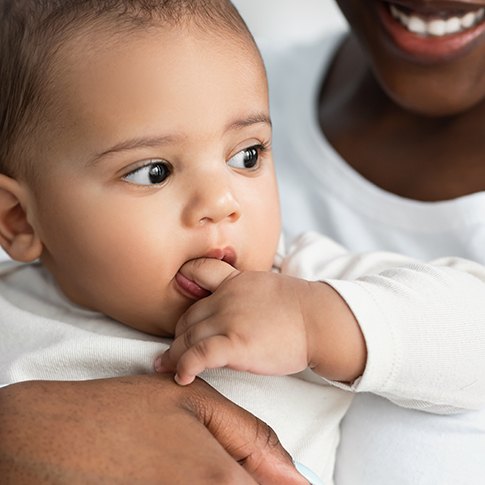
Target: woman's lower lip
(190,288)
(428,49)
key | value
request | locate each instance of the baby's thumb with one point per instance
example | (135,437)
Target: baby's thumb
(208,273)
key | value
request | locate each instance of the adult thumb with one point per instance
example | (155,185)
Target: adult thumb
(208,273)
(248,440)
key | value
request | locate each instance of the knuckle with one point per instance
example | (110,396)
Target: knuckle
(188,338)
(266,434)
(185,319)
(202,350)
(182,321)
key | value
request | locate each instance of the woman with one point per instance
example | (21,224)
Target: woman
(379,137)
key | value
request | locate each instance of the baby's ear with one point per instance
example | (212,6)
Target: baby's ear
(17,237)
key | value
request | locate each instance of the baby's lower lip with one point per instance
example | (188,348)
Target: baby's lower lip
(190,288)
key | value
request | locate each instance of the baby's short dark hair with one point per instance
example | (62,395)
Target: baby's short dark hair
(31,31)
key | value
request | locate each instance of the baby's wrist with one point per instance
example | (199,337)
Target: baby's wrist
(336,345)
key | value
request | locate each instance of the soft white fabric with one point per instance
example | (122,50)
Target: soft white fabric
(44,336)
(415,348)
(382,443)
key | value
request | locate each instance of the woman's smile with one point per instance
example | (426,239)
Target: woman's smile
(436,22)
(429,32)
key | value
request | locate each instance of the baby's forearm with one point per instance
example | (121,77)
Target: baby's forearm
(423,322)
(336,345)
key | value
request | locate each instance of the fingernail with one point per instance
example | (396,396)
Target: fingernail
(176,378)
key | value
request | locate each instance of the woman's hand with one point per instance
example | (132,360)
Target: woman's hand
(138,429)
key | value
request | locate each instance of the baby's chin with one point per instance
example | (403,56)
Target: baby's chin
(155,312)
(159,329)
(159,326)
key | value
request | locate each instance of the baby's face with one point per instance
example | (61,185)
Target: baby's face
(159,154)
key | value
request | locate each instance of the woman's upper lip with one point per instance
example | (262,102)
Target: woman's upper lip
(430,7)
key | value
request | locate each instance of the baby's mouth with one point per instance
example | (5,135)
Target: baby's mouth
(191,288)
(437,23)
(227,254)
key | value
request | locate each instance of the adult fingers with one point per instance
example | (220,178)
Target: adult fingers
(137,429)
(249,440)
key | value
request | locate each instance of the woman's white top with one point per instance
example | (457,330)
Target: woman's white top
(381,443)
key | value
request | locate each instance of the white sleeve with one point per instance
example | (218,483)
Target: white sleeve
(424,324)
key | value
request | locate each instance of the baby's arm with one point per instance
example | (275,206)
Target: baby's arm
(423,323)
(264,323)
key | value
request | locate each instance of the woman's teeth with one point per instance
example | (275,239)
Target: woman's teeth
(437,27)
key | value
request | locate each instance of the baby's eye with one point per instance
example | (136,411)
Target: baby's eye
(153,173)
(246,159)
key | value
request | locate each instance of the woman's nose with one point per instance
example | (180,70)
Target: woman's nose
(212,201)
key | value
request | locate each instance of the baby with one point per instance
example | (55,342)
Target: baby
(136,137)
(135,175)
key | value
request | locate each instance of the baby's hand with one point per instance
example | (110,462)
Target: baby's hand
(253,321)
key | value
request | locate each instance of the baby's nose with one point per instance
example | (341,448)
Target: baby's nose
(212,201)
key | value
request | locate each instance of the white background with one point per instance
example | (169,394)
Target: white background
(290,20)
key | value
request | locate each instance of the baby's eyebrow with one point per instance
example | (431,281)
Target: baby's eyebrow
(149,142)
(154,142)
(252,119)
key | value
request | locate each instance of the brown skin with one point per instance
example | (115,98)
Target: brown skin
(139,429)
(392,118)
(388,133)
